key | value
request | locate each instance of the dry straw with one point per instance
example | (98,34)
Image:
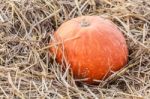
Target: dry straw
(28,72)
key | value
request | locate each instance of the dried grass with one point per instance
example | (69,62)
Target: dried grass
(28,72)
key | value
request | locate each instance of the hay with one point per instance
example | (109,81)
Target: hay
(28,72)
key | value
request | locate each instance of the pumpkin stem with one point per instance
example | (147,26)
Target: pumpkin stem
(84,23)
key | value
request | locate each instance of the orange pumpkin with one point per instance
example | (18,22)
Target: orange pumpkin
(93,46)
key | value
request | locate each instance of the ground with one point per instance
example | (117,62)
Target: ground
(27,71)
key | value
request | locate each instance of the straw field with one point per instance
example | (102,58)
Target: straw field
(29,71)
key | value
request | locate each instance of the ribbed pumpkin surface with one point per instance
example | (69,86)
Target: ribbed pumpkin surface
(93,46)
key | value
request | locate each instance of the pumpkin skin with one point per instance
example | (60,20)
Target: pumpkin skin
(93,46)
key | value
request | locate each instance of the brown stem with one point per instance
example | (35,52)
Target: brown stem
(84,23)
